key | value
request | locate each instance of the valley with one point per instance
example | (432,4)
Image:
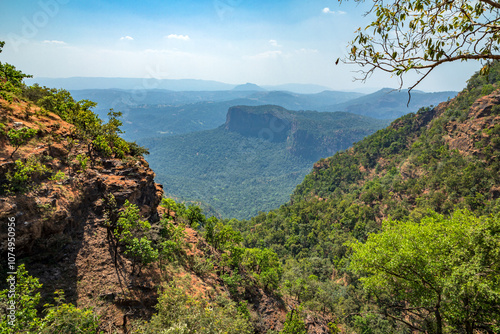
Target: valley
(268,218)
(254,161)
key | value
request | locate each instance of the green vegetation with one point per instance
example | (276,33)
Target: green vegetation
(180,313)
(23,174)
(441,272)
(294,323)
(238,174)
(129,230)
(235,175)
(20,137)
(407,172)
(240,269)
(59,318)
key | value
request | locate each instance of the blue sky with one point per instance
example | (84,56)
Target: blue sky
(233,41)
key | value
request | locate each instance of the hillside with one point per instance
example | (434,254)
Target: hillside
(97,248)
(425,164)
(254,161)
(389,103)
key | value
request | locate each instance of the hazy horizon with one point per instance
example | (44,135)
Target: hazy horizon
(229,41)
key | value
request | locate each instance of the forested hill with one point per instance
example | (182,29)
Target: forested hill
(307,134)
(436,161)
(254,161)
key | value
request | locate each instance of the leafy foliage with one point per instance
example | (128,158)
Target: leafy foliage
(103,138)
(20,137)
(408,35)
(236,175)
(59,318)
(436,272)
(129,228)
(180,313)
(294,323)
(20,179)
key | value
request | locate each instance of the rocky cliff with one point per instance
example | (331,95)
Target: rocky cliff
(60,200)
(308,134)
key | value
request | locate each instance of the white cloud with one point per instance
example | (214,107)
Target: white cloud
(181,37)
(128,38)
(54,42)
(327,10)
(273,42)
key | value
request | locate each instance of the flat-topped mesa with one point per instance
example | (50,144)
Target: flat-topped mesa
(310,135)
(269,122)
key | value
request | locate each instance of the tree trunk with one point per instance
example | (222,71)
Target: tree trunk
(469,327)
(439,322)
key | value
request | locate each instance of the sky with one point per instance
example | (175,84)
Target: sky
(233,41)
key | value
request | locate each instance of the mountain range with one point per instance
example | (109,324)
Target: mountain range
(152,113)
(148,83)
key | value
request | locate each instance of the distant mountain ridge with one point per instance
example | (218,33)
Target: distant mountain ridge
(389,103)
(249,87)
(77,83)
(308,134)
(162,113)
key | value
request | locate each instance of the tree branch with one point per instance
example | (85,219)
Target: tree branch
(491,3)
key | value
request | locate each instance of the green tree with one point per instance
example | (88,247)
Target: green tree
(409,35)
(441,272)
(11,80)
(60,318)
(129,232)
(20,137)
(195,216)
(294,323)
(26,300)
(179,312)
(265,265)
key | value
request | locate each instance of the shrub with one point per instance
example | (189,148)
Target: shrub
(20,137)
(65,318)
(294,323)
(59,318)
(82,160)
(20,178)
(59,176)
(180,313)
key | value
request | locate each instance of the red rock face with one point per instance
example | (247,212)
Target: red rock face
(463,136)
(50,206)
(62,238)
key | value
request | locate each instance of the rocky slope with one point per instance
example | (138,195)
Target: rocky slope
(62,237)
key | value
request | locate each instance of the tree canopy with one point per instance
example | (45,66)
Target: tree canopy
(442,272)
(420,35)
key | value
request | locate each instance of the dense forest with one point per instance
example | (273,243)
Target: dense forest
(369,226)
(254,161)
(398,234)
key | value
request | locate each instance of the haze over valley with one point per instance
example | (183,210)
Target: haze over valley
(250,167)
